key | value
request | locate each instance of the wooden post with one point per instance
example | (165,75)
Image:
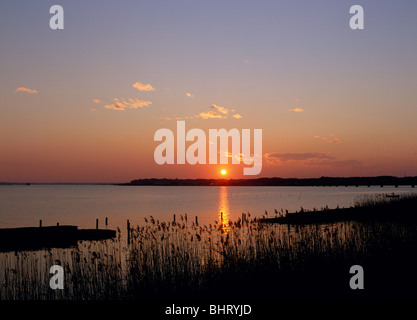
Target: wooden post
(96,224)
(174,218)
(196,220)
(128,232)
(57,224)
(40,223)
(243,218)
(106,221)
(221,216)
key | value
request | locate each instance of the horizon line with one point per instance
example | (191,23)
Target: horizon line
(217,179)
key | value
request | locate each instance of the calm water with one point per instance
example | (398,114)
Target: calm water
(81,205)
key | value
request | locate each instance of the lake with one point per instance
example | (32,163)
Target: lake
(81,205)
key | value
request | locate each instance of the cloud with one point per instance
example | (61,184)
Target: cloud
(296,109)
(211,115)
(189,95)
(339,163)
(240,157)
(308,159)
(331,140)
(220,113)
(97,101)
(123,104)
(143,87)
(27,90)
(220,109)
(283,157)
(115,106)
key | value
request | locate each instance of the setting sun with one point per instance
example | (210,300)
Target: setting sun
(223,172)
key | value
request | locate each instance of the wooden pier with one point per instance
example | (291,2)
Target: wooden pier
(60,236)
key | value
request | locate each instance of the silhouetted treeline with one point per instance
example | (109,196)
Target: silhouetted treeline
(323,181)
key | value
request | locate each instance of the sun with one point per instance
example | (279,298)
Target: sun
(223,172)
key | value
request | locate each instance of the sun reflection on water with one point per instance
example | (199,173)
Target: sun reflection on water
(224,211)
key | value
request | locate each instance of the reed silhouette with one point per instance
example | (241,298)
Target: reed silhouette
(250,260)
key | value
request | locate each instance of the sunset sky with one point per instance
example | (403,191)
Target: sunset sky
(82,104)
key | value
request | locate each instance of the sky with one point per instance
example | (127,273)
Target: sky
(82,104)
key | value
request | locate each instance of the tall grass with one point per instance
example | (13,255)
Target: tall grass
(366,208)
(241,259)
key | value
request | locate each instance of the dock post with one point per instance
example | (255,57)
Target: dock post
(221,216)
(196,220)
(174,218)
(40,223)
(96,224)
(106,221)
(128,232)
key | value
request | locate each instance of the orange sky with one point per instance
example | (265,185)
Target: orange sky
(82,104)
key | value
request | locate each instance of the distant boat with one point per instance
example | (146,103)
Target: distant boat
(392,195)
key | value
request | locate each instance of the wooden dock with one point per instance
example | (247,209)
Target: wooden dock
(35,238)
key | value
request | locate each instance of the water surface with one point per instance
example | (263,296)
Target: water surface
(81,205)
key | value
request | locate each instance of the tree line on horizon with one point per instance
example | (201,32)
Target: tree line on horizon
(275,181)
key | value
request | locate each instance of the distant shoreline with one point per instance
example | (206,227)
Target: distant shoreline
(380,181)
(58,183)
(303,182)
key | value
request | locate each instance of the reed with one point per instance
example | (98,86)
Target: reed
(220,260)
(365,208)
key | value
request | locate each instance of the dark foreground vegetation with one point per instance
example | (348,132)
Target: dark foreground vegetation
(245,260)
(382,207)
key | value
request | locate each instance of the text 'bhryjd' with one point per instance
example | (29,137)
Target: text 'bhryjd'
(197,151)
